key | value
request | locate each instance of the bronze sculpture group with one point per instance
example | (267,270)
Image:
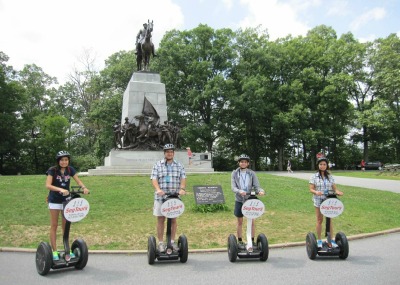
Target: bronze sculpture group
(149,134)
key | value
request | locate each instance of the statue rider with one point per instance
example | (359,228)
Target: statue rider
(140,37)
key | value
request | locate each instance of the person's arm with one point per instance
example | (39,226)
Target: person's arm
(182,190)
(51,187)
(157,187)
(80,183)
(313,190)
(234,185)
(256,184)
(337,192)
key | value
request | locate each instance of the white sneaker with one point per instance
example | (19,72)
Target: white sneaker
(333,243)
(161,246)
(175,246)
(319,243)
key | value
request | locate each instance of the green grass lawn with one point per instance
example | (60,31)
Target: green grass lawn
(121,217)
(374,174)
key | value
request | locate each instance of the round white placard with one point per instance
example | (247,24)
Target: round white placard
(76,209)
(253,208)
(331,208)
(172,208)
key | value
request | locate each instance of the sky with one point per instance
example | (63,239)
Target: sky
(55,34)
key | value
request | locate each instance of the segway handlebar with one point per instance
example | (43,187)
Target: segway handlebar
(76,190)
(331,194)
(170,196)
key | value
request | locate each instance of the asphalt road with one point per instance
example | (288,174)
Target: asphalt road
(372,260)
(378,184)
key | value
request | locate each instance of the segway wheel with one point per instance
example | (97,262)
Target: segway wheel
(341,241)
(262,243)
(183,248)
(232,248)
(151,249)
(44,258)
(80,249)
(311,245)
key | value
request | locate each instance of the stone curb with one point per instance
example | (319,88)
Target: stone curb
(211,250)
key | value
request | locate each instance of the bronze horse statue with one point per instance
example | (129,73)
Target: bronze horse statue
(139,58)
(147,48)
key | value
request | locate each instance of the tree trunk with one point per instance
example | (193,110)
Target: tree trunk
(280,158)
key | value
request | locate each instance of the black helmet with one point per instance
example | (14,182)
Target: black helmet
(62,153)
(169,146)
(243,157)
(322,158)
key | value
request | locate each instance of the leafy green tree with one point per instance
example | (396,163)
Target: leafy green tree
(386,83)
(195,67)
(11,98)
(38,91)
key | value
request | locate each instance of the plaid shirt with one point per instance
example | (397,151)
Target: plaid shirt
(323,185)
(168,176)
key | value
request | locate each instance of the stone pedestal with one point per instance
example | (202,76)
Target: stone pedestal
(141,85)
(125,162)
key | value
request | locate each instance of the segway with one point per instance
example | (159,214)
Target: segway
(74,210)
(332,207)
(252,208)
(171,208)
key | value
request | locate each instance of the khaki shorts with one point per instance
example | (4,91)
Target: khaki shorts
(157,208)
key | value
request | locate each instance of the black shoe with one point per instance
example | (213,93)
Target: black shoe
(241,245)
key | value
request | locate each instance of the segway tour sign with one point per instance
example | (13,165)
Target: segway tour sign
(172,208)
(253,208)
(76,210)
(331,208)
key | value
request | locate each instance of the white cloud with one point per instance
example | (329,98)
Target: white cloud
(280,19)
(53,34)
(338,8)
(373,14)
(228,4)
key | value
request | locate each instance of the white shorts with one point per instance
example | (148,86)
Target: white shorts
(54,206)
(157,208)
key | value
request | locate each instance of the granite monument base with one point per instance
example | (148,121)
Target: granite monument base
(125,162)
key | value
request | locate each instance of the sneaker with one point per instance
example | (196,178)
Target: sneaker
(71,254)
(333,243)
(175,246)
(161,247)
(56,256)
(319,242)
(241,245)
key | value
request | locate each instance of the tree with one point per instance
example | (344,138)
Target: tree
(38,91)
(11,98)
(195,67)
(385,62)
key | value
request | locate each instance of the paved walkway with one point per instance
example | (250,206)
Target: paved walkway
(377,184)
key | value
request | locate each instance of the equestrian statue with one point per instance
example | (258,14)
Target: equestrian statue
(144,46)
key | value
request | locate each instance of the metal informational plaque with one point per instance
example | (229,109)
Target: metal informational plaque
(208,194)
